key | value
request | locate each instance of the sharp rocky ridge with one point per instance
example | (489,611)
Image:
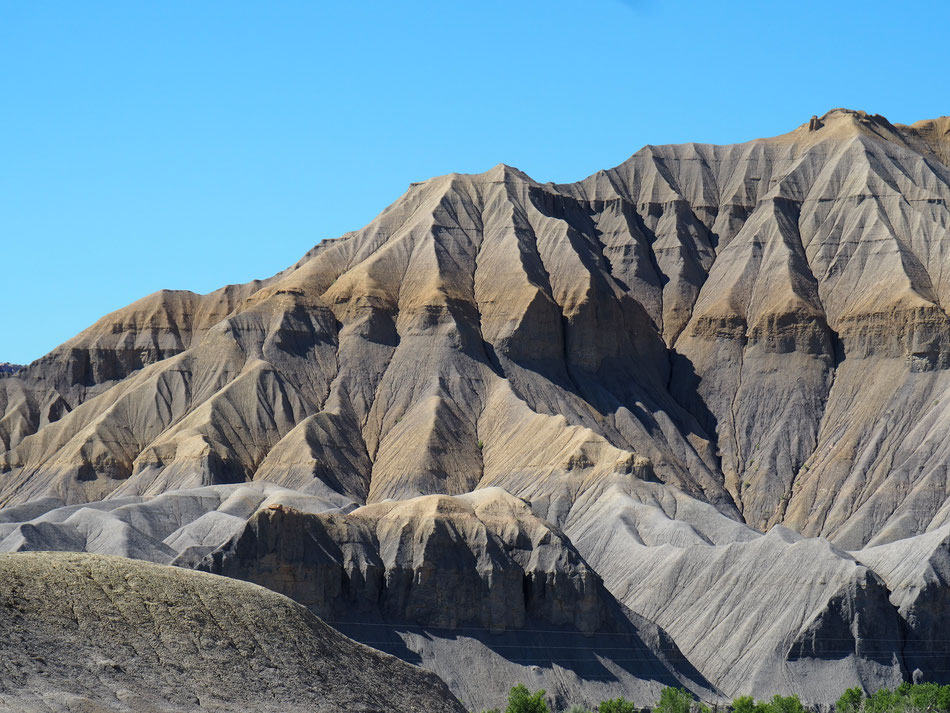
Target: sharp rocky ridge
(663,362)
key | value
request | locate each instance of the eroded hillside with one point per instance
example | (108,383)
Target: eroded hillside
(664,360)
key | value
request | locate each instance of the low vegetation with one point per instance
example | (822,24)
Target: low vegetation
(906,698)
(672,700)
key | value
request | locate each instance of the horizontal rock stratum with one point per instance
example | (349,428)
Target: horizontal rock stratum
(662,362)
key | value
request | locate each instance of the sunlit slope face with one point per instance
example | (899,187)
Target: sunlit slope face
(760,325)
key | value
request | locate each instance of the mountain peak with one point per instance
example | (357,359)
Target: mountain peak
(658,364)
(503,171)
(841,123)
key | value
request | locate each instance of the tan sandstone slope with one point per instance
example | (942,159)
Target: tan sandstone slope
(666,359)
(760,325)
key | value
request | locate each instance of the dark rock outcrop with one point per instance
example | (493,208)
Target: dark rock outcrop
(479,560)
(478,570)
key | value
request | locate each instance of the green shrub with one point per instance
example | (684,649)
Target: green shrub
(745,704)
(883,701)
(850,701)
(778,704)
(923,696)
(786,704)
(675,700)
(521,700)
(617,705)
(906,698)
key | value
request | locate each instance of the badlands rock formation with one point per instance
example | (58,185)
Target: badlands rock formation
(440,579)
(88,633)
(917,572)
(181,525)
(667,360)
(475,587)
(764,613)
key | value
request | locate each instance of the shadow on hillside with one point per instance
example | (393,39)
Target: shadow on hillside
(604,657)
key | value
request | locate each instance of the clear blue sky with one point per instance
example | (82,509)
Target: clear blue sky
(193,144)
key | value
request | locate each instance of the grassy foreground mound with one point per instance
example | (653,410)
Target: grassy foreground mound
(88,633)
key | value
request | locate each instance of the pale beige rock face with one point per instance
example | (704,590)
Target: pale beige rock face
(84,632)
(667,359)
(762,322)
